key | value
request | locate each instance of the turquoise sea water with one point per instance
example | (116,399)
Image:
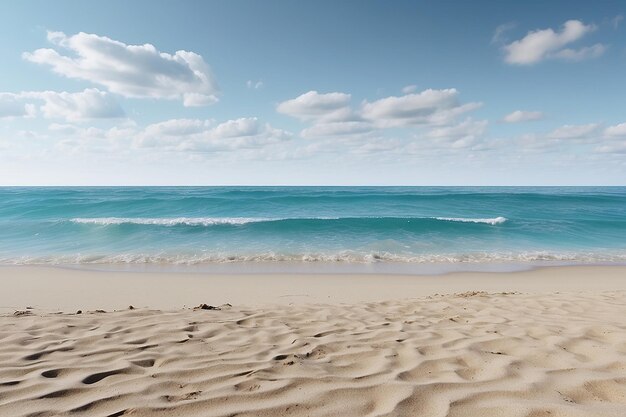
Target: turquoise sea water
(409,226)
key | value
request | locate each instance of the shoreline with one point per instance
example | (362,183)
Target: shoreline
(322,267)
(68,289)
(327,267)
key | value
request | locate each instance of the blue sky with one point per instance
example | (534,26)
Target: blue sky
(324,92)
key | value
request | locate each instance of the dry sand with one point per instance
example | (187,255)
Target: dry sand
(314,345)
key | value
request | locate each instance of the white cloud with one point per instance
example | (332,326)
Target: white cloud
(331,115)
(313,105)
(72,139)
(14,105)
(430,107)
(617,20)
(573,131)
(116,132)
(409,89)
(88,104)
(462,135)
(581,54)
(616,131)
(176,127)
(607,140)
(242,127)
(198,100)
(255,85)
(63,128)
(468,127)
(378,146)
(347,128)
(248,136)
(139,71)
(200,136)
(611,139)
(546,43)
(522,116)
(615,148)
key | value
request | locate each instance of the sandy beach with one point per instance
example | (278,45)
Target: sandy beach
(549,342)
(312,208)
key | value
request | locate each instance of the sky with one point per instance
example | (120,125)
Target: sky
(323,92)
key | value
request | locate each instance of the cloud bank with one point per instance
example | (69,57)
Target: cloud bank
(84,105)
(195,135)
(332,115)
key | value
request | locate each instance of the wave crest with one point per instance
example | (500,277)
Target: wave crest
(176,221)
(493,221)
(213,221)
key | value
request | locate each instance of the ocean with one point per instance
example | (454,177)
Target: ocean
(401,229)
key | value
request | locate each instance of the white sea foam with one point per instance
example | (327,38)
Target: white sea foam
(348,257)
(189,221)
(212,221)
(493,221)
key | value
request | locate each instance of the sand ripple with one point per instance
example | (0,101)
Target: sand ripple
(470,354)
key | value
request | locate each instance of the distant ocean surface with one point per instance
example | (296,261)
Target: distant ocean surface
(406,228)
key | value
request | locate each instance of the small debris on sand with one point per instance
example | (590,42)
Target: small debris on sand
(468,294)
(204,306)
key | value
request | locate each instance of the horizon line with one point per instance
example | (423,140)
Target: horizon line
(302,186)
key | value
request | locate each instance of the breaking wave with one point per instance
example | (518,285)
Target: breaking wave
(213,221)
(188,221)
(494,221)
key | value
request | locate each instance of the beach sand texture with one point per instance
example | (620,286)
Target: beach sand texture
(467,354)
